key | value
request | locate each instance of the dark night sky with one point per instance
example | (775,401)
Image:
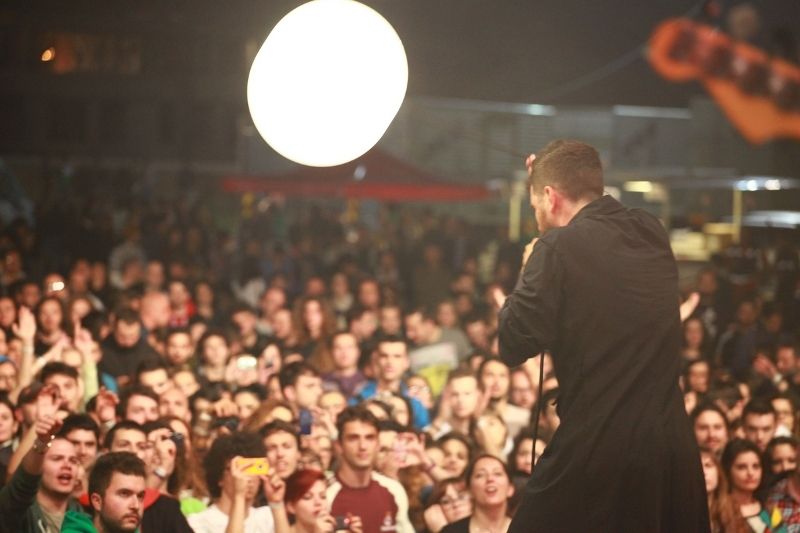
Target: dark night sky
(526,50)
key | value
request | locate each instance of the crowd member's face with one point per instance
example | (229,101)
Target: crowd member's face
(85,442)
(245,321)
(215,351)
(8,424)
(358,445)
(120,508)
(272,300)
(711,431)
(154,275)
(464,397)
(489,483)
(345,351)
(495,379)
(759,429)
(477,333)
(307,389)
(456,503)
(141,409)
(8,376)
(392,361)
(524,458)
(455,457)
(521,391)
(157,379)
(746,472)
(60,468)
(710,472)
(310,506)
(246,404)
(8,312)
(186,382)
(173,402)
(333,402)
(325,450)
(693,332)
(282,323)
(179,348)
(783,459)
(785,411)
(50,316)
(127,335)
(416,330)
(384,459)
(391,320)
(134,441)
(30,295)
(312,315)
(282,453)
(697,377)
(418,389)
(446,315)
(746,314)
(68,390)
(786,360)
(369,295)
(178,294)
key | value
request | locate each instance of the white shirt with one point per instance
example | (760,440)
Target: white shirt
(212,520)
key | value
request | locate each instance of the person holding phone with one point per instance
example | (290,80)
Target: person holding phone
(305,501)
(232,490)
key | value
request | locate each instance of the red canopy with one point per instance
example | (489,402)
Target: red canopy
(375,175)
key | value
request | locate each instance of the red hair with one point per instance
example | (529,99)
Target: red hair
(301,482)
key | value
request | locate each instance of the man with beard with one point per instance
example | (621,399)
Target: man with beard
(116,494)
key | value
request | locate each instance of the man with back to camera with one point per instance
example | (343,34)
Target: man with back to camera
(599,291)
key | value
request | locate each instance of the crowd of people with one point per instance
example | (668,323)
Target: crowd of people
(310,374)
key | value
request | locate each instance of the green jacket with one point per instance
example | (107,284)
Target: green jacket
(77,523)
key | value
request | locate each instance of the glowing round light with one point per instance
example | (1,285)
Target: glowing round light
(327,82)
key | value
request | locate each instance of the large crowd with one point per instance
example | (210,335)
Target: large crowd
(306,372)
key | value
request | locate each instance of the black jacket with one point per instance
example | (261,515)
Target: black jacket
(601,295)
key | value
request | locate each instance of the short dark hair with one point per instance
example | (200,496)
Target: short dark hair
(355,413)
(110,463)
(289,374)
(79,421)
(125,424)
(256,389)
(129,392)
(149,365)
(757,406)
(57,368)
(225,448)
(571,167)
(391,339)
(707,406)
(126,315)
(276,426)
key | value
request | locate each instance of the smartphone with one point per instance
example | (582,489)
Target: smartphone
(258,466)
(342,523)
(305,419)
(230,422)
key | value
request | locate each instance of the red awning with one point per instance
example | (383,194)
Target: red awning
(375,175)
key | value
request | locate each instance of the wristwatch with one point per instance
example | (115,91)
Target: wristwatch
(42,447)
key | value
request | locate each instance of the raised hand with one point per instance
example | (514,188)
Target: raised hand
(106,405)
(47,422)
(274,488)
(25,327)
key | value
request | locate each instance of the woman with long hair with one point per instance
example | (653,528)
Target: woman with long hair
(721,510)
(741,463)
(449,502)
(490,485)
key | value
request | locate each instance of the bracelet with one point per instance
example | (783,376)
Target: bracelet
(275,505)
(41,447)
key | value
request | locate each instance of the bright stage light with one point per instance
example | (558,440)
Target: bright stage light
(327,82)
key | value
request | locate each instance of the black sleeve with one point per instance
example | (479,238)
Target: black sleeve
(15,499)
(165,515)
(527,322)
